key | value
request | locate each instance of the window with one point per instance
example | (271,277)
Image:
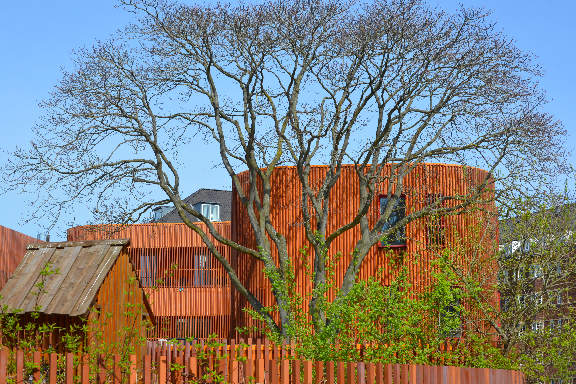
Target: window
(203,272)
(435,224)
(536,271)
(559,300)
(449,319)
(210,211)
(398,237)
(148,270)
(538,325)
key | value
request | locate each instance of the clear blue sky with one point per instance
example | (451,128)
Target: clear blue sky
(37,39)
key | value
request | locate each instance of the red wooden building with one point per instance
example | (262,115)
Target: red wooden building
(194,297)
(12,250)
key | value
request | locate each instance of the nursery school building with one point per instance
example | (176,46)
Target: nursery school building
(190,294)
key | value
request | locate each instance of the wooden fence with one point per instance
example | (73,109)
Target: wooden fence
(208,368)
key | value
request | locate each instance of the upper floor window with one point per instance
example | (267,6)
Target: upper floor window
(435,224)
(398,237)
(210,211)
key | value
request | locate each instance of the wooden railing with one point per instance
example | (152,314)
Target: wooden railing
(178,368)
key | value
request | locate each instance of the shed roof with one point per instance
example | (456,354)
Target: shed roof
(79,269)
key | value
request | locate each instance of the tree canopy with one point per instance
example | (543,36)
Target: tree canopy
(287,83)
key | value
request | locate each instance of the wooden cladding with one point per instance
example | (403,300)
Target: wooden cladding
(188,289)
(12,250)
(190,292)
(421,186)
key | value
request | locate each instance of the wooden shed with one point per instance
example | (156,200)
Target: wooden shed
(86,288)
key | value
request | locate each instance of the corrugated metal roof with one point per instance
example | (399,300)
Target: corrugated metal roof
(79,270)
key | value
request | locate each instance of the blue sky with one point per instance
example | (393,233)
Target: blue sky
(37,39)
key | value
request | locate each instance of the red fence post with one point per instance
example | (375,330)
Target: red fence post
(3,364)
(162,370)
(53,366)
(307,372)
(285,371)
(133,379)
(117,372)
(85,369)
(273,371)
(260,372)
(330,372)
(147,369)
(350,373)
(370,373)
(37,360)
(341,372)
(249,367)
(234,378)
(297,372)
(361,372)
(69,368)
(319,368)
(19,367)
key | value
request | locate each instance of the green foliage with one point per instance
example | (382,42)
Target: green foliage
(34,331)
(394,323)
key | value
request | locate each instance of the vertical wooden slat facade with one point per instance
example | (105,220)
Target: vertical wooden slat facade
(123,315)
(191,295)
(12,249)
(188,289)
(477,227)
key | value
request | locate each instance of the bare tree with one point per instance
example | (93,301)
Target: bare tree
(319,81)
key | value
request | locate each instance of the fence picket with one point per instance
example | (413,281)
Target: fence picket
(308,372)
(3,365)
(52,368)
(162,370)
(277,369)
(285,372)
(147,369)
(19,367)
(330,372)
(319,370)
(69,368)
(341,372)
(371,373)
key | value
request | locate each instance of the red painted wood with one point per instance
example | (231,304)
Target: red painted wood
(69,368)
(350,373)
(162,370)
(297,372)
(425,180)
(3,365)
(20,367)
(147,374)
(117,373)
(285,371)
(53,367)
(37,361)
(308,376)
(341,374)
(319,372)
(330,372)
(371,373)
(85,369)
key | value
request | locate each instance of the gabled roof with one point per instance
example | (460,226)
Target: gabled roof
(218,196)
(79,269)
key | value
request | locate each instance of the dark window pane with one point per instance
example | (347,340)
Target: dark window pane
(397,214)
